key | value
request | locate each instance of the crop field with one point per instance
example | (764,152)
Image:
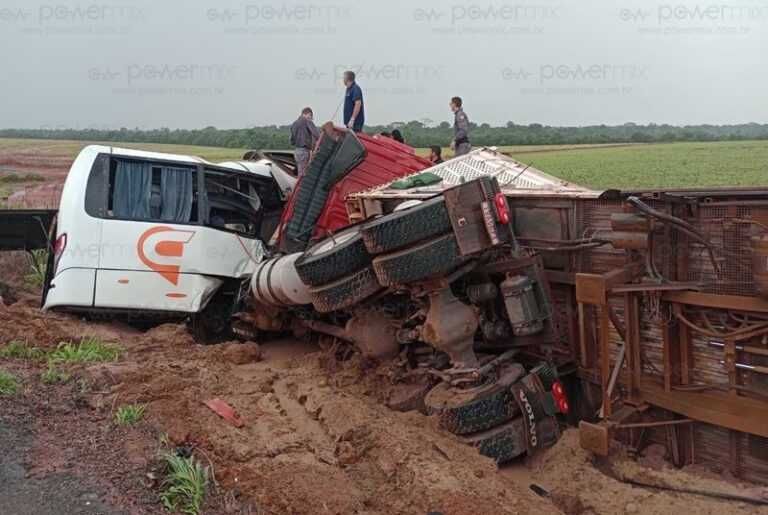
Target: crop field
(663,165)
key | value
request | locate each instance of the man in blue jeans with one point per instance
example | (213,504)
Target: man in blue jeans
(354,112)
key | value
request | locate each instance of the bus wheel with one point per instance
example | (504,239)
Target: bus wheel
(213,324)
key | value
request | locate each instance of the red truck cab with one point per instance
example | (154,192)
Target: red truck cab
(343,162)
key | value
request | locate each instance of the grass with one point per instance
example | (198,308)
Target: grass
(35,277)
(185,484)
(130,414)
(6,178)
(53,375)
(9,383)
(89,349)
(18,349)
(661,165)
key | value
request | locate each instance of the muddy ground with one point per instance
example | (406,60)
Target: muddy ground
(317,438)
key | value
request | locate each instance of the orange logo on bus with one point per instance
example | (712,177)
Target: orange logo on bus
(169,244)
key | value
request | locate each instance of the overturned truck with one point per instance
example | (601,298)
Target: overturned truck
(507,302)
(511,303)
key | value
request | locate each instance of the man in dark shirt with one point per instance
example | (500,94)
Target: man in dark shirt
(435,155)
(460,144)
(304,134)
(354,112)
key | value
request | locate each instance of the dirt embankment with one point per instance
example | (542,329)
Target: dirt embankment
(316,438)
(48,166)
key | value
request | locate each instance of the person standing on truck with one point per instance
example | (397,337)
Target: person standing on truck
(460,144)
(354,111)
(304,134)
(435,155)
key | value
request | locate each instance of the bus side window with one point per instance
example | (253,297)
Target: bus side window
(128,189)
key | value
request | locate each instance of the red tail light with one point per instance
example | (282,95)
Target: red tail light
(501,208)
(58,249)
(559,392)
(557,389)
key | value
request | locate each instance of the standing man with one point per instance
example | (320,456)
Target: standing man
(354,112)
(460,144)
(435,154)
(304,134)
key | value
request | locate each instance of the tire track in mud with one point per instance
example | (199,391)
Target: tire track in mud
(305,424)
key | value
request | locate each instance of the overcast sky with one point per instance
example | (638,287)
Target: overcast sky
(231,64)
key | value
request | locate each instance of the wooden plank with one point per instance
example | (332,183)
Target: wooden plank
(557,276)
(593,288)
(686,355)
(670,338)
(634,363)
(738,413)
(605,359)
(714,300)
(583,335)
(730,366)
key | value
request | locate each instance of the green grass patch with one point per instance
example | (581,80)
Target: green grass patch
(89,349)
(185,485)
(6,178)
(35,276)
(34,176)
(18,349)
(130,414)
(53,375)
(9,383)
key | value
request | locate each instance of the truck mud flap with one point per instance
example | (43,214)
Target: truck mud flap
(541,430)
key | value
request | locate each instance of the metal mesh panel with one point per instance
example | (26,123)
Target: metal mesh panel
(754,458)
(731,246)
(593,218)
(512,175)
(711,446)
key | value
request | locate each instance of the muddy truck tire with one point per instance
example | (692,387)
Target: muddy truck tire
(426,259)
(333,257)
(345,292)
(402,228)
(502,443)
(469,412)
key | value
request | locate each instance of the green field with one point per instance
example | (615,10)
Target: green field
(663,165)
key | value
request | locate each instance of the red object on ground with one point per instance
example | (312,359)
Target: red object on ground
(321,191)
(224,410)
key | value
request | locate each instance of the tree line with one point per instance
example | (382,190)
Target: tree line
(416,134)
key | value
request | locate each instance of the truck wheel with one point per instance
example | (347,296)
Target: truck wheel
(332,258)
(477,410)
(345,292)
(401,228)
(503,442)
(428,258)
